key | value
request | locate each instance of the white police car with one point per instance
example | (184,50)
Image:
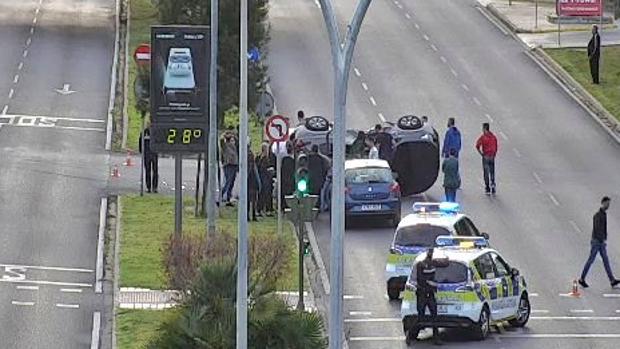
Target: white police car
(416,233)
(476,289)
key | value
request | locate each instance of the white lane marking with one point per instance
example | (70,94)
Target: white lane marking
(68,306)
(317,3)
(80,128)
(5,109)
(377,319)
(16,78)
(575,318)
(25,54)
(372,101)
(34,20)
(503,135)
(516,151)
(465,87)
(93,121)
(399,6)
(94,339)
(426,37)
(279,293)
(20,66)
(77,270)
(533,294)
(51,283)
(443,59)
(555,201)
(581,311)
(364,86)
(70,290)
(376,339)
(22,303)
(102,223)
(360,313)
(576,227)
(611,295)
(11,92)
(477,101)
(453,72)
(30,288)
(488,117)
(381,117)
(28,41)
(417,26)
(490,19)
(434,47)
(561,335)
(357,72)
(539,311)
(408,16)
(537,178)
(36,11)
(349,296)
(31,30)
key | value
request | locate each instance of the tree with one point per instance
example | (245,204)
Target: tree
(207,317)
(198,12)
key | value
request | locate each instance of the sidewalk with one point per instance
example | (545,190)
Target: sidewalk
(520,18)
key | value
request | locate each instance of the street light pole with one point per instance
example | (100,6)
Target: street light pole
(342,53)
(212,158)
(242,208)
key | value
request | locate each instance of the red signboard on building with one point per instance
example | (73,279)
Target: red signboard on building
(581,8)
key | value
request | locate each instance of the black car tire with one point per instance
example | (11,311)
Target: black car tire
(393,291)
(523,312)
(317,123)
(483,327)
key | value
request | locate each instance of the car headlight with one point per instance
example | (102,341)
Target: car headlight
(390,268)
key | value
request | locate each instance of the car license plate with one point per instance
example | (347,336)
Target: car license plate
(371,207)
(442,309)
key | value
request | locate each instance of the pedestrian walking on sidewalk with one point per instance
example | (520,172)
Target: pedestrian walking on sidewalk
(452,139)
(150,161)
(598,244)
(451,176)
(486,145)
(230,162)
(594,54)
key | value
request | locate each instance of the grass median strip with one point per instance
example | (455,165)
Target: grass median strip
(136,328)
(575,62)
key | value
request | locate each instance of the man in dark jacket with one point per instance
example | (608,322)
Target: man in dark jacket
(385,142)
(451,176)
(598,244)
(452,139)
(594,53)
(288,173)
(317,169)
(150,161)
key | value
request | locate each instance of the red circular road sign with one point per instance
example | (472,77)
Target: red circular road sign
(276,128)
(142,54)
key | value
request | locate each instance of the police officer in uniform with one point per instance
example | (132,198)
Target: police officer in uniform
(425,294)
(150,161)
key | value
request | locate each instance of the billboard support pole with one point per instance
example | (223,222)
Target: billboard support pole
(212,162)
(242,210)
(178,194)
(536,16)
(142,113)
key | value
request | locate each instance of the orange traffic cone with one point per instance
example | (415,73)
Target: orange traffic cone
(575,291)
(128,161)
(115,173)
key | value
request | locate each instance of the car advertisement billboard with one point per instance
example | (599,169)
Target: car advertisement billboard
(579,8)
(180,62)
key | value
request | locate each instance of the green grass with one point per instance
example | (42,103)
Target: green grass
(143,15)
(575,62)
(148,221)
(136,328)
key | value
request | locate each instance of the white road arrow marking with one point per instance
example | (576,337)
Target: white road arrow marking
(65,90)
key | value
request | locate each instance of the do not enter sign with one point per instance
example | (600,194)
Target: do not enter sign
(142,54)
(276,128)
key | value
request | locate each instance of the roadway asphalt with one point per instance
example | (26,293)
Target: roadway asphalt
(54,171)
(443,59)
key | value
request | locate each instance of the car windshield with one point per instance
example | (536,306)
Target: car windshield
(368,175)
(455,272)
(179,59)
(419,235)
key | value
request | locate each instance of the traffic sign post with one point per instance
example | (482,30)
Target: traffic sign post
(276,129)
(142,54)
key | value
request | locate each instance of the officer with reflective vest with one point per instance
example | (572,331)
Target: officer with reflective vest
(425,294)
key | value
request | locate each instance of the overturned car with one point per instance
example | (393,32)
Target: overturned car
(415,158)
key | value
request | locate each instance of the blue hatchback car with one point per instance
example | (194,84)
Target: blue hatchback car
(371,190)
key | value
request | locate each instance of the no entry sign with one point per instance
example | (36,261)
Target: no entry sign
(142,54)
(579,8)
(276,128)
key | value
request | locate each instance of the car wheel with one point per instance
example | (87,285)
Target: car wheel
(393,291)
(523,312)
(483,327)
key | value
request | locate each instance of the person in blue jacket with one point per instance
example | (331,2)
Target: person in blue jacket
(452,139)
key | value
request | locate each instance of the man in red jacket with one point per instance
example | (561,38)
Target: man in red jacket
(486,145)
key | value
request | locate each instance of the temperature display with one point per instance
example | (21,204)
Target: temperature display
(179,139)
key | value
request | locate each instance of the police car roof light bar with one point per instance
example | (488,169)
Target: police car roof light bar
(441,207)
(461,241)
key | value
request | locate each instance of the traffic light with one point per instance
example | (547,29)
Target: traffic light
(302,182)
(306,247)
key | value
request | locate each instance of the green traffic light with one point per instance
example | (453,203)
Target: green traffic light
(302,185)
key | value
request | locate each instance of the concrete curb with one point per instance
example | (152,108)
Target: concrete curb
(115,287)
(110,122)
(502,18)
(126,77)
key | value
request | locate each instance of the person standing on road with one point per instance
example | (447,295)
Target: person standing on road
(150,161)
(230,162)
(317,170)
(425,296)
(486,145)
(374,151)
(288,173)
(385,143)
(594,54)
(598,244)
(254,184)
(451,176)
(265,163)
(452,139)
(301,118)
